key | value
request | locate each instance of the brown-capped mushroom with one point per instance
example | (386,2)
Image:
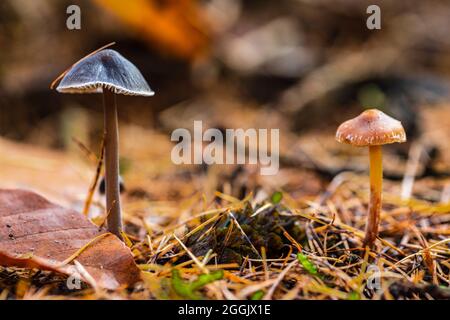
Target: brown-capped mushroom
(107,72)
(372,129)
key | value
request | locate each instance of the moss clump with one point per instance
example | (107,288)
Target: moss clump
(263,230)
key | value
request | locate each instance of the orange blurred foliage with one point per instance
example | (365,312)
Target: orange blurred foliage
(176,27)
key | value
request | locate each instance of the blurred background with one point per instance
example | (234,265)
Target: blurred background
(298,65)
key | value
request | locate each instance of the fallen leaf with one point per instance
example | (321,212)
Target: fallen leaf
(35,233)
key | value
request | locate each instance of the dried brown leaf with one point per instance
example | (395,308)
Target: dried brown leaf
(35,233)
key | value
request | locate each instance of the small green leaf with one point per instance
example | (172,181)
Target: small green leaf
(257,295)
(204,279)
(188,290)
(353,296)
(276,197)
(182,288)
(307,265)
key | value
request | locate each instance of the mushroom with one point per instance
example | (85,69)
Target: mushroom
(107,72)
(372,129)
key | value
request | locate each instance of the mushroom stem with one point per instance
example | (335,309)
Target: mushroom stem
(114,215)
(376,185)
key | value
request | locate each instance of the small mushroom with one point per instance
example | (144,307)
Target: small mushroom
(372,129)
(107,72)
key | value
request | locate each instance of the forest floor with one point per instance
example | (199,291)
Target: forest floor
(224,233)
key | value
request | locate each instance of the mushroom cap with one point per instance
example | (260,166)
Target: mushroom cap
(371,128)
(105,69)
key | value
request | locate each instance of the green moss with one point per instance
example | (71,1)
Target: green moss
(263,230)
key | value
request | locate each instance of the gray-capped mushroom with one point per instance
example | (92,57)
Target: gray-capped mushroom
(107,72)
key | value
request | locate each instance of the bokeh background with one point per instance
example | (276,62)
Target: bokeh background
(298,65)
